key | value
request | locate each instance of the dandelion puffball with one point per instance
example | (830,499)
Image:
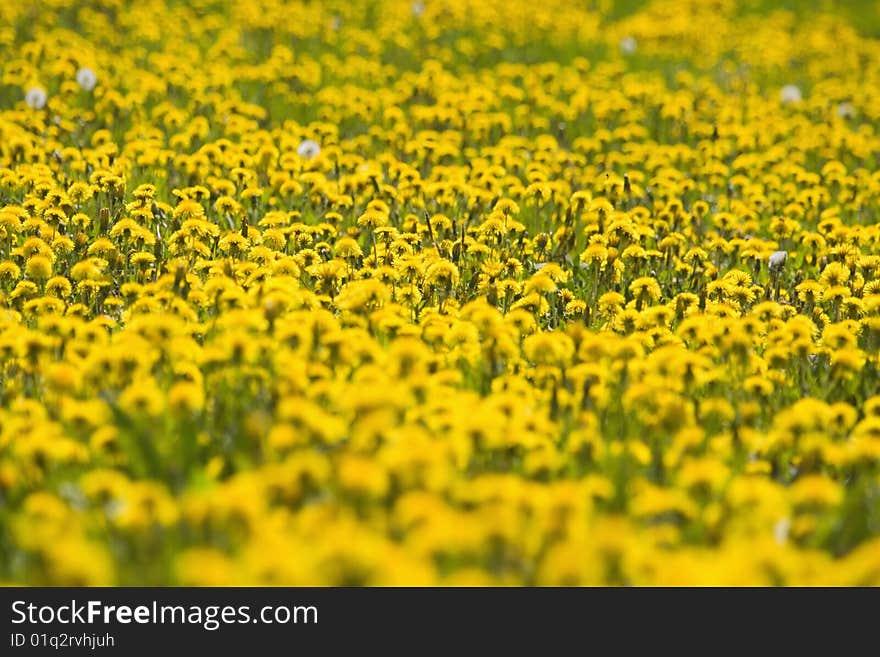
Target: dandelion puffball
(628,45)
(36,97)
(781,530)
(308,148)
(846,110)
(86,78)
(418,8)
(777,259)
(790,93)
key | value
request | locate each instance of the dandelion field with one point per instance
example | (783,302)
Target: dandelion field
(446,292)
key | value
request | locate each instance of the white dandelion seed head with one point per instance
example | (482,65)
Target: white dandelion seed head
(36,97)
(308,149)
(846,110)
(86,78)
(335,23)
(781,529)
(777,260)
(628,45)
(791,93)
(418,8)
